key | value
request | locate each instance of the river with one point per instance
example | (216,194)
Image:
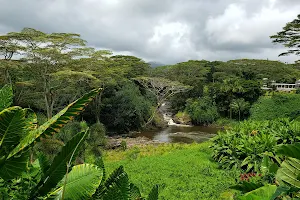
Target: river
(183,134)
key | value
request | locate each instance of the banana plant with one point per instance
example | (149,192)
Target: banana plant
(117,186)
(18,133)
(289,171)
(60,179)
(287,176)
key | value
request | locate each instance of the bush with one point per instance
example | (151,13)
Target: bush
(97,139)
(123,145)
(245,145)
(226,122)
(127,110)
(202,111)
(276,106)
(68,131)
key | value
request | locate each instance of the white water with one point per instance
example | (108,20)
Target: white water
(170,121)
(168,116)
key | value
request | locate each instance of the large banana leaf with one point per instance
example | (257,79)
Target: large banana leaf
(289,172)
(118,189)
(289,150)
(14,166)
(12,125)
(53,125)
(263,193)
(58,168)
(82,182)
(44,162)
(12,128)
(6,97)
(31,119)
(109,188)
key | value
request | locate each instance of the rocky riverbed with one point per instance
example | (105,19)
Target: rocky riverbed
(115,142)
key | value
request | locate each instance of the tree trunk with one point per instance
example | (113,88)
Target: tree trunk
(152,116)
(47,106)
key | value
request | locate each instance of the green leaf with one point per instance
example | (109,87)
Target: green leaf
(31,119)
(58,168)
(119,189)
(12,124)
(115,187)
(99,162)
(289,150)
(6,97)
(262,193)
(82,183)
(53,125)
(246,186)
(14,166)
(44,162)
(279,191)
(153,195)
(289,171)
(114,176)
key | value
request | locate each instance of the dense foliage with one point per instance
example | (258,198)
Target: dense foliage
(267,152)
(245,145)
(126,110)
(58,178)
(57,68)
(276,106)
(202,111)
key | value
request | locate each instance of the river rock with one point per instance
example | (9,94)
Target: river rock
(182,118)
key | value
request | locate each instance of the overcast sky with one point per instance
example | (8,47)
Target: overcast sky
(166,31)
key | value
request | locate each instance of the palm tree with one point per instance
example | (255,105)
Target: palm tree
(239,106)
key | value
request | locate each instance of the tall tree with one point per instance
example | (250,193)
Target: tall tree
(46,54)
(162,89)
(289,37)
(239,106)
(134,66)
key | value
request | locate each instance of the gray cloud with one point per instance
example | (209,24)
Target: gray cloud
(167,31)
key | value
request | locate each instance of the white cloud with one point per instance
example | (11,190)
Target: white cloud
(167,31)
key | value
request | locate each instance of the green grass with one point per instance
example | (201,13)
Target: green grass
(186,170)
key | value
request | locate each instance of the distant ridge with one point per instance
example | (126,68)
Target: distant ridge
(155,64)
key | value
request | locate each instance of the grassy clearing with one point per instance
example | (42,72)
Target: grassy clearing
(186,170)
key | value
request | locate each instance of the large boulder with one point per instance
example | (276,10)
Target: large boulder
(182,118)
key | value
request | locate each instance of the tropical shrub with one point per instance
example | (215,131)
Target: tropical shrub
(126,110)
(202,111)
(97,139)
(245,145)
(277,106)
(240,107)
(286,179)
